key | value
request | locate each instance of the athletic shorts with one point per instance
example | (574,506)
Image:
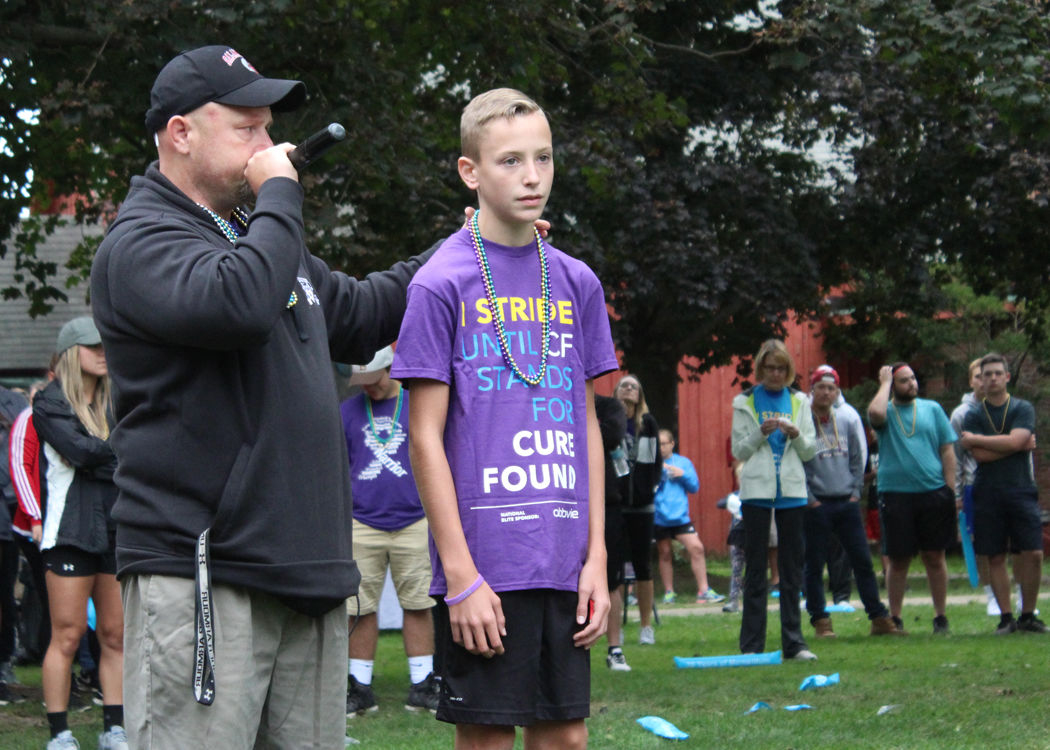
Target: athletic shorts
(541,676)
(670,532)
(917,521)
(73,562)
(1006,518)
(405,552)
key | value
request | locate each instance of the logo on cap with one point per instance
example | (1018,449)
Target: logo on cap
(231,56)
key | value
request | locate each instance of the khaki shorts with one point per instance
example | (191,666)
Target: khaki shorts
(405,552)
(280,676)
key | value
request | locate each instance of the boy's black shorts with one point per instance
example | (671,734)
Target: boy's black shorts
(1007,515)
(915,521)
(541,676)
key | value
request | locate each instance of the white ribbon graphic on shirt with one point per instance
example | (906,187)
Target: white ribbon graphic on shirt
(382,451)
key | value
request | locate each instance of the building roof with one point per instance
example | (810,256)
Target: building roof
(26,344)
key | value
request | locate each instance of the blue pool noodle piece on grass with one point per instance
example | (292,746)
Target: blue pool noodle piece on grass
(819,681)
(732,660)
(662,728)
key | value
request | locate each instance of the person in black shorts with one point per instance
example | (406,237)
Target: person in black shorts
(72,419)
(1000,434)
(916,486)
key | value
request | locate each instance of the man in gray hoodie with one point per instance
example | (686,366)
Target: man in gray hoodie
(835,478)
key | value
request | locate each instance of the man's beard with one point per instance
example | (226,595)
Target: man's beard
(245,196)
(904,398)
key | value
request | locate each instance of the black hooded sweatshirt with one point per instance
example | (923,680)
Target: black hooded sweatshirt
(221,357)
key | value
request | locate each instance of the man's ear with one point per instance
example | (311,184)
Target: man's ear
(178,130)
(468,172)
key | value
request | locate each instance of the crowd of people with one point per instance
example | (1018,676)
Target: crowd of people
(190,441)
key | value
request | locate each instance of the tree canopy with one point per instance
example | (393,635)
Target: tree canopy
(686,133)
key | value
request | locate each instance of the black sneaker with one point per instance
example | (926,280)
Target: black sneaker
(899,624)
(1031,625)
(940,625)
(1006,627)
(423,695)
(359,699)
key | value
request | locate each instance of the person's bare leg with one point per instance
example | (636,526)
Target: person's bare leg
(937,577)
(556,735)
(999,580)
(644,591)
(67,597)
(663,554)
(697,559)
(483,737)
(1029,564)
(364,637)
(109,612)
(896,583)
(417,631)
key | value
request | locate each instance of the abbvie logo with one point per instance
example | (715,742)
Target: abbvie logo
(566,513)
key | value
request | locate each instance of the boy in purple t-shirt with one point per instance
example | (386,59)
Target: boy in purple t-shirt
(500,343)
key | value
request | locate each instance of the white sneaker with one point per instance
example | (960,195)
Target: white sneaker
(993,605)
(617,662)
(804,655)
(646,636)
(63,741)
(114,739)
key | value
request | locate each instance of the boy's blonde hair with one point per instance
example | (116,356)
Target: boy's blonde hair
(486,107)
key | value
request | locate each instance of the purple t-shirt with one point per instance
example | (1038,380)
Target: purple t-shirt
(518,453)
(384,490)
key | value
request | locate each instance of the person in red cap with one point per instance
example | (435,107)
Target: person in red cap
(835,479)
(234,514)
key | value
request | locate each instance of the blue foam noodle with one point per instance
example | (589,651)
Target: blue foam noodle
(732,660)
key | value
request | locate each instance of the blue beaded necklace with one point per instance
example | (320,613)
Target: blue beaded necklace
(497,315)
(231,231)
(237,229)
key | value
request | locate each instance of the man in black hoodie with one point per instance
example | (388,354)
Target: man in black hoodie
(233,537)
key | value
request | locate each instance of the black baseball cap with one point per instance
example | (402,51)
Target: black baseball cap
(216,74)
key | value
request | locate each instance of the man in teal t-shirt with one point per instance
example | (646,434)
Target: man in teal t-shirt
(916,486)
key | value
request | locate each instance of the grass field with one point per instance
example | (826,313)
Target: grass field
(968,690)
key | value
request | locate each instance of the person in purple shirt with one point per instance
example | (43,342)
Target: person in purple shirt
(390,533)
(501,341)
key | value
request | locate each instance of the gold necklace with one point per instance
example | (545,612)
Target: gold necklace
(896,413)
(1000,428)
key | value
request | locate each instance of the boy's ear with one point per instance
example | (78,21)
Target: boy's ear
(468,172)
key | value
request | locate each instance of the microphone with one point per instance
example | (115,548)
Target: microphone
(315,146)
